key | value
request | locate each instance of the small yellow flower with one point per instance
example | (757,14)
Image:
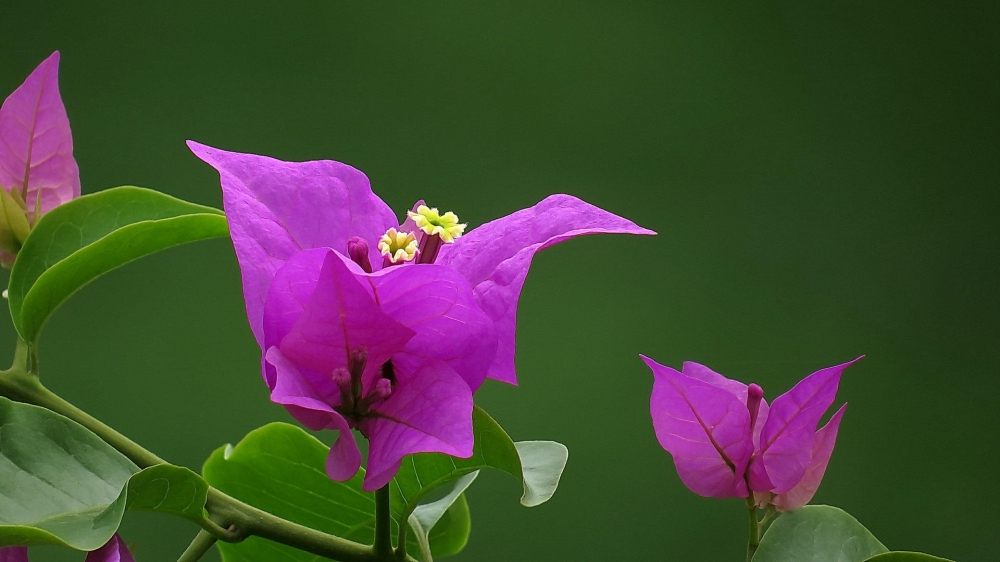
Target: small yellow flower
(398,246)
(446,226)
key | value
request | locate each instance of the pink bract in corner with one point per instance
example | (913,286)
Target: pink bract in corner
(37,167)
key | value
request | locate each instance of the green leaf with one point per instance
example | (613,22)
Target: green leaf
(281,469)
(543,463)
(59,483)
(81,240)
(424,518)
(906,557)
(62,485)
(817,533)
(170,489)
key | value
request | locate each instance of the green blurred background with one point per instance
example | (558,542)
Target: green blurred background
(823,176)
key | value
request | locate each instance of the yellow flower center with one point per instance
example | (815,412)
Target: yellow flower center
(445,226)
(397,246)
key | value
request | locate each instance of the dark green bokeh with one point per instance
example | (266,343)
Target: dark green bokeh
(823,177)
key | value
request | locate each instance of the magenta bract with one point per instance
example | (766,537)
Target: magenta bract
(14,554)
(36,152)
(114,550)
(341,353)
(277,209)
(727,441)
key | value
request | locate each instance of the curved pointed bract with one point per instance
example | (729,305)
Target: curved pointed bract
(431,412)
(340,317)
(277,208)
(787,437)
(705,428)
(36,146)
(823,444)
(726,441)
(438,305)
(495,258)
(338,360)
(114,551)
(294,390)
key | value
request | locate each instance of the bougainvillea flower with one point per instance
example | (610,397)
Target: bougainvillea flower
(114,551)
(343,352)
(37,169)
(276,209)
(727,442)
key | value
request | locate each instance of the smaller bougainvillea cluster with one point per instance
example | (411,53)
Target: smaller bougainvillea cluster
(728,443)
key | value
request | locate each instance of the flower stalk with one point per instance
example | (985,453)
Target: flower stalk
(753,538)
(383,527)
(201,544)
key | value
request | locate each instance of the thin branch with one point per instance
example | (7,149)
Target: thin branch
(201,544)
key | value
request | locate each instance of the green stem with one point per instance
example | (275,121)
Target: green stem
(232,520)
(753,539)
(24,387)
(769,516)
(401,540)
(383,520)
(250,521)
(201,544)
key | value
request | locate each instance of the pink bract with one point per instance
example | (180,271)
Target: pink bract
(14,554)
(36,146)
(727,442)
(341,356)
(114,550)
(277,209)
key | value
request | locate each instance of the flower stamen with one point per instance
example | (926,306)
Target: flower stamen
(397,247)
(433,223)
(437,228)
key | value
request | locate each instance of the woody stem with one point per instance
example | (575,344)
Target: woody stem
(383,529)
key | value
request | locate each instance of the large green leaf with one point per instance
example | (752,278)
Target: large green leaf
(280,468)
(817,533)
(906,557)
(62,485)
(59,483)
(89,236)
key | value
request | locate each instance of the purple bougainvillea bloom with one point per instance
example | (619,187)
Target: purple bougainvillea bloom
(727,442)
(37,169)
(113,551)
(341,352)
(277,209)
(14,554)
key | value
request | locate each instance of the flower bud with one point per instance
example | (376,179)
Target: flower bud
(341,377)
(358,361)
(357,249)
(754,395)
(382,390)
